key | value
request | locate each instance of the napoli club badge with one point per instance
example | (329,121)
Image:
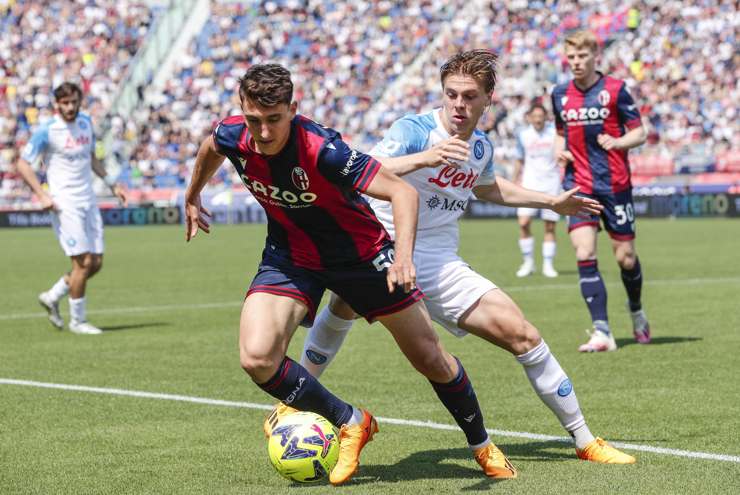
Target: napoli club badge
(478,150)
(300,178)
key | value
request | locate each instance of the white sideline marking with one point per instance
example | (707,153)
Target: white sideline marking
(229,304)
(393,421)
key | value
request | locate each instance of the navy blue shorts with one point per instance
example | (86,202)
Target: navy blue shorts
(362,286)
(618,215)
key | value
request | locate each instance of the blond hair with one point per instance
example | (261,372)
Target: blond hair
(582,39)
(479,64)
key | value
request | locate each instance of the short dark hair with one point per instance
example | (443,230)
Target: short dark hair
(67,89)
(480,64)
(536,106)
(266,84)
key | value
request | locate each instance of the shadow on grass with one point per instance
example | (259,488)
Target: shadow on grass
(658,341)
(435,464)
(113,328)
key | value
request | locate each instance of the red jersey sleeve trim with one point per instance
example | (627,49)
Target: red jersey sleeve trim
(633,124)
(371,170)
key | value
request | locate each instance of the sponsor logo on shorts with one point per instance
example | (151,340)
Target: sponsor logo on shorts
(315,357)
(565,388)
(71,242)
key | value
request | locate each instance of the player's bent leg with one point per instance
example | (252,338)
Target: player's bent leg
(631,274)
(413,332)
(268,322)
(77,302)
(495,317)
(96,264)
(549,249)
(326,335)
(526,245)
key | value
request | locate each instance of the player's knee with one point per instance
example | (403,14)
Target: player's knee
(519,335)
(340,308)
(626,259)
(585,253)
(95,266)
(258,366)
(434,365)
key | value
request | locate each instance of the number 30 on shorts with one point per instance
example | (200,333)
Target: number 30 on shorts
(384,260)
(625,213)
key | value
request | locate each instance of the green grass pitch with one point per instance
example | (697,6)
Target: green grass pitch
(171,314)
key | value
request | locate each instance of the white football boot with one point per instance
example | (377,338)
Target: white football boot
(548,271)
(526,269)
(598,342)
(83,328)
(52,307)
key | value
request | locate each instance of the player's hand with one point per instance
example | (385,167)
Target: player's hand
(568,203)
(608,142)
(47,203)
(452,152)
(120,193)
(401,273)
(564,158)
(196,217)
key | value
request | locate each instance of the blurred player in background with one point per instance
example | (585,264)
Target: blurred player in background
(323,234)
(536,169)
(66,145)
(447,160)
(597,123)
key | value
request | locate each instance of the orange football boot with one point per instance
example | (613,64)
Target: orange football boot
(352,439)
(600,451)
(494,462)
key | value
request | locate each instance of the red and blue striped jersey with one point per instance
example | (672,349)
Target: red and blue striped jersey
(580,116)
(316,216)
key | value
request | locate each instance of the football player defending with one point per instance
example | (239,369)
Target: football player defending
(536,169)
(66,144)
(321,234)
(597,124)
(447,160)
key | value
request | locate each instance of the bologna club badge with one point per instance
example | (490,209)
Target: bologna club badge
(300,178)
(604,97)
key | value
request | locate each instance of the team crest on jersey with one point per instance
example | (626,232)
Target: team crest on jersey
(604,97)
(300,178)
(478,150)
(563,100)
(82,125)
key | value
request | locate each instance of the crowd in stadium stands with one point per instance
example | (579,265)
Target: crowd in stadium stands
(353,64)
(46,43)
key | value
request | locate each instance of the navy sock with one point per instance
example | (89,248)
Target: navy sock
(296,387)
(593,289)
(632,280)
(459,398)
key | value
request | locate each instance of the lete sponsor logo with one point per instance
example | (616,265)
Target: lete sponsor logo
(452,177)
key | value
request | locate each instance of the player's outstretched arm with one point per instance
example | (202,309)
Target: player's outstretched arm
(116,188)
(405,203)
(206,163)
(29,176)
(449,152)
(631,139)
(504,192)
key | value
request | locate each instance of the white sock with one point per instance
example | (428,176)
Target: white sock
(548,252)
(526,246)
(323,341)
(554,388)
(58,290)
(77,309)
(356,418)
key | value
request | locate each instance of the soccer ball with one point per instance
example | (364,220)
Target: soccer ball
(303,447)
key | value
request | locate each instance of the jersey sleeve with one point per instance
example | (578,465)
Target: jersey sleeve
(519,153)
(559,124)
(225,137)
(345,166)
(487,175)
(628,113)
(36,146)
(406,136)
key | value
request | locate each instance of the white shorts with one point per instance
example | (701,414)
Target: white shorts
(550,187)
(79,229)
(546,214)
(451,287)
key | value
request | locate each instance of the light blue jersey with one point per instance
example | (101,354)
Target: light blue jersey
(444,192)
(66,149)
